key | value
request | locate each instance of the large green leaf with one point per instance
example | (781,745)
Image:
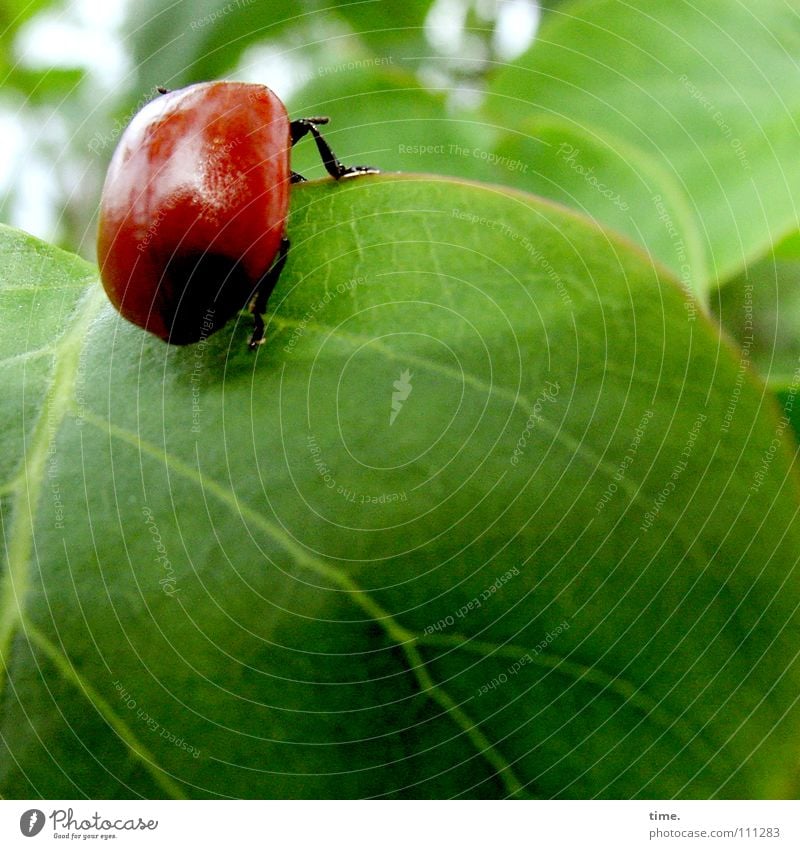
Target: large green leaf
(472,522)
(711,91)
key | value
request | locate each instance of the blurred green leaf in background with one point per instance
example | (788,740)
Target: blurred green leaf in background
(591,267)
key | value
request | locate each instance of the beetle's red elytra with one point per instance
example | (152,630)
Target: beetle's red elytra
(194,206)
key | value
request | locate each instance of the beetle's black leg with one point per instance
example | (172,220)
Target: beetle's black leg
(297,178)
(258,305)
(161,90)
(302,126)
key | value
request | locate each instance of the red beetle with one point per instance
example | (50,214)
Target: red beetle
(194,206)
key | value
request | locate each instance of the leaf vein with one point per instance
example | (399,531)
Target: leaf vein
(72,676)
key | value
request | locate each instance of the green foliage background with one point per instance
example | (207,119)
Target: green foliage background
(567,568)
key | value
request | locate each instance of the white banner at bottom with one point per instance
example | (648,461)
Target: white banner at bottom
(400,825)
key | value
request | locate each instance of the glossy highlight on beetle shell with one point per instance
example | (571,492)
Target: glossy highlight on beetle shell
(194,207)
